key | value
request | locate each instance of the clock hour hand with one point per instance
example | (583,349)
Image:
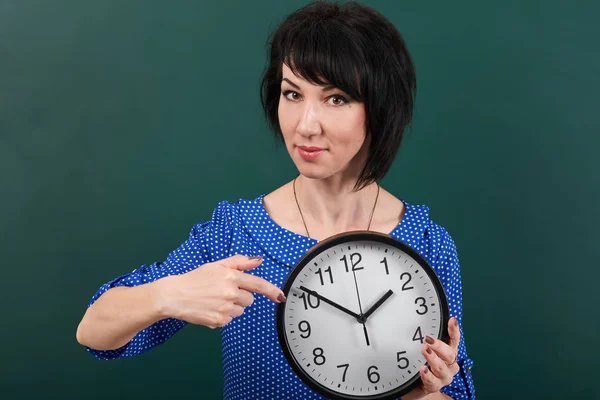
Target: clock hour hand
(326,300)
(377,304)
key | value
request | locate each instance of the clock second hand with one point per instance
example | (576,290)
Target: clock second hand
(361,319)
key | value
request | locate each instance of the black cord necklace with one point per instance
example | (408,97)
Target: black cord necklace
(302,216)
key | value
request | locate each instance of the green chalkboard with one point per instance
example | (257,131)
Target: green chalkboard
(123,123)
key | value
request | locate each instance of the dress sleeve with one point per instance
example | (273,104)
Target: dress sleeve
(462,386)
(205,240)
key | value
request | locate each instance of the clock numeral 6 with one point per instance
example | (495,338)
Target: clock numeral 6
(355,258)
(402,360)
(305,330)
(404,287)
(421,305)
(345,366)
(308,301)
(319,357)
(373,375)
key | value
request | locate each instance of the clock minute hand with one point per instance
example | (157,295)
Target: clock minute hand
(326,300)
(377,304)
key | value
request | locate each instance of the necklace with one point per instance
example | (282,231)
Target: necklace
(302,216)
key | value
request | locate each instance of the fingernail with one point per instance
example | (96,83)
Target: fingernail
(426,371)
(428,350)
(429,339)
(455,322)
(281,298)
(255,258)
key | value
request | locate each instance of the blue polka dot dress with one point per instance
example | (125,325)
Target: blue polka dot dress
(253,363)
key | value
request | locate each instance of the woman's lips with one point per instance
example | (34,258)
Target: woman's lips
(309,153)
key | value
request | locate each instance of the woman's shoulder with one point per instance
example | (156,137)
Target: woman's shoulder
(226,214)
(230,210)
(419,227)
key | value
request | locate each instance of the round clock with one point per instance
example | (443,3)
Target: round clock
(358,308)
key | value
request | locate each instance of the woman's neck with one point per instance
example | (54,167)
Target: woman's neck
(330,206)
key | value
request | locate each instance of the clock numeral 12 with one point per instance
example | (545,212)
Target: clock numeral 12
(355,258)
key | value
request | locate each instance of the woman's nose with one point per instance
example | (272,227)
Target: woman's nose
(309,123)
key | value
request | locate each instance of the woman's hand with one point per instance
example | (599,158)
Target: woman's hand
(215,293)
(442,360)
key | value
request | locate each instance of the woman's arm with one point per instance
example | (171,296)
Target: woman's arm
(130,311)
(448,266)
(118,315)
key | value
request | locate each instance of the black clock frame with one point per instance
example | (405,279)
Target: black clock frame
(309,256)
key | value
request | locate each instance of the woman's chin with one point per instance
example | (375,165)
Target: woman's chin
(312,171)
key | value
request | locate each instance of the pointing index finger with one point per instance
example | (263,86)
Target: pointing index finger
(256,284)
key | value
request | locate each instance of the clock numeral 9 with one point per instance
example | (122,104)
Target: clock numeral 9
(355,258)
(402,360)
(418,335)
(321,275)
(421,305)
(305,330)
(309,302)
(404,287)
(373,375)
(345,366)
(319,358)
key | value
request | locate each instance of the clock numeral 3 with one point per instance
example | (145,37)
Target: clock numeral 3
(421,305)
(402,360)
(308,302)
(373,375)
(355,258)
(321,275)
(319,358)
(305,330)
(345,366)
(418,335)
(404,287)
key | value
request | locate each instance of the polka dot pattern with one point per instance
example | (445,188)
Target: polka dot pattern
(254,365)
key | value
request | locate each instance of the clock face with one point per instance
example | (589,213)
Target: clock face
(358,308)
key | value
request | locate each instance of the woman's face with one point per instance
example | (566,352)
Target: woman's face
(323,129)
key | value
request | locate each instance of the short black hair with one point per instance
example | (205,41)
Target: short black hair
(359,51)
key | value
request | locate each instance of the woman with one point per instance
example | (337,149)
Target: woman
(339,92)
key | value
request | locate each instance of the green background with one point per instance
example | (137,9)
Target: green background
(123,123)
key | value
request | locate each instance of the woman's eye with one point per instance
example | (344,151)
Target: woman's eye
(291,95)
(338,100)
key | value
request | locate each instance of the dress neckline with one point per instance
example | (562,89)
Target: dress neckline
(288,247)
(304,237)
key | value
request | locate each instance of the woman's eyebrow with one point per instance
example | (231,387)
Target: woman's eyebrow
(325,89)
(291,83)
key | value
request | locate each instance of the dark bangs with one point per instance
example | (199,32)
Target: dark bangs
(357,50)
(318,53)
